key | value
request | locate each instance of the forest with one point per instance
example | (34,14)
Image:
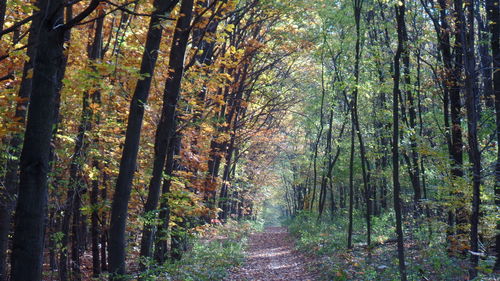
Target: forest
(249,140)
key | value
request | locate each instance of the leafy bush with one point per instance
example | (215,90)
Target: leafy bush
(427,256)
(213,252)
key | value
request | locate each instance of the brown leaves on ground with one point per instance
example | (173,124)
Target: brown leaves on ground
(271,256)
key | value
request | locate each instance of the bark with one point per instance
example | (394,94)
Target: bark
(351,187)
(456,107)
(11,178)
(326,176)
(232,118)
(400,18)
(316,147)
(27,249)
(493,12)
(104,230)
(414,169)
(166,125)
(96,54)
(365,166)
(116,242)
(161,246)
(472,103)
(3,8)
(485,58)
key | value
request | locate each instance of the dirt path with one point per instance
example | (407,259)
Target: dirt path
(271,256)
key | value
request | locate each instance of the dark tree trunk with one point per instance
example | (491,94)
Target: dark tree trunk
(96,54)
(401,26)
(116,242)
(166,125)
(414,169)
(104,229)
(231,119)
(3,8)
(27,250)
(351,186)
(472,103)
(224,195)
(456,115)
(492,9)
(316,146)
(326,177)
(161,247)
(7,194)
(485,58)
(365,166)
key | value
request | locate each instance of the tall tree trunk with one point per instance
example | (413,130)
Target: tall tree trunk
(492,9)
(351,185)
(472,103)
(104,229)
(116,242)
(3,8)
(166,126)
(96,54)
(326,176)
(161,242)
(365,167)
(414,169)
(485,59)
(456,115)
(27,250)
(401,25)
(8,194)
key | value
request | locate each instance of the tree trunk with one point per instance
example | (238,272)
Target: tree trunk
(7,194)
(456,115)
(116,242)
(472,103)
(166,126)
(365,167)
(413,166)
(351,186)
(492,9)
(27,249)
(96,54)
(401,25)
(161,247)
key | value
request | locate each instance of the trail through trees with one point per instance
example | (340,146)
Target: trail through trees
(271,255)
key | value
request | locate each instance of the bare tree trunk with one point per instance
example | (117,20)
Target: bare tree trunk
(116,242)
(351,187)
(492,9)
(472,103)
(365,166)
(400,17)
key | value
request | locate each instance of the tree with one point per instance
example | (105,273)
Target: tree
(131,146)
(401,26)
(27,249)
(166,127)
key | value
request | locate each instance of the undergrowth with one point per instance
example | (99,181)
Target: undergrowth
(426,252)
(213,252)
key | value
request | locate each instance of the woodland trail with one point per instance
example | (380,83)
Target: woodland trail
(271,256)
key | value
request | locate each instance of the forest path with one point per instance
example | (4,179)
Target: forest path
(271,256)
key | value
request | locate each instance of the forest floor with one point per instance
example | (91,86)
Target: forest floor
(271,255)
